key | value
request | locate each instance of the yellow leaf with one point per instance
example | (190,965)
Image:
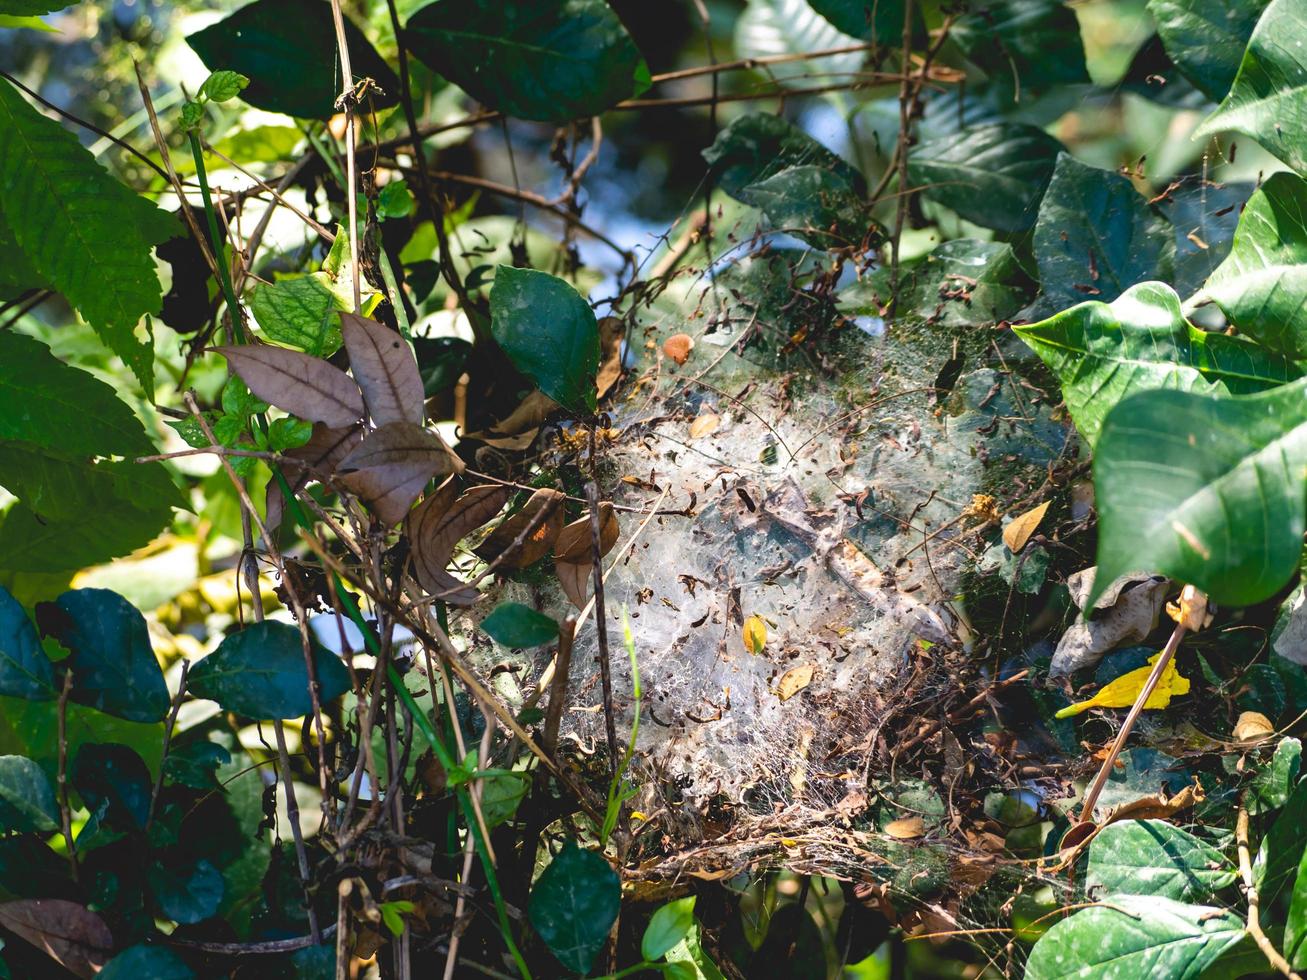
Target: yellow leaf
(705,424)
(906,828)
(1122,692)
(755,635)
(1021,527)
(793,681)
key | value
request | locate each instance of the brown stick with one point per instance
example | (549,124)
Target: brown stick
(1273,955)
(558,689)
(167,739)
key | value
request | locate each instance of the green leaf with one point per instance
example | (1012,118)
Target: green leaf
(1205,489)
(260,672)
(1295,932)
(1104,352)
(768,28)
(285,48)
(288,433)
(113,664)
(224,85)
(815,204)
(32,23)
(1152,857)
(1096,237)
(1031,45)
(669,925)
(1262,285)
(551,62)
(1268,100)
(30,542)
(992,176)
(392,914)
(1282,849)
(1135,936)
(61,487)
(1204,217)
(1206,38)
(26,800)
(25,670)
(689,960)
(1274,781)
(549,332)
(395,200)
(512,624)
(113,777)
(146,963)
(501,795)
(758,146)
(574,904)
(878,21)
(237,399)
(50,403)
(84,232)
(195,763)
(29,8)
(300,312)
(188,896)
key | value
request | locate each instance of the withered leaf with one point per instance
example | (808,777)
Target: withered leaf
(305,386)
(574,541)
(704,425)
(327,447)
(611,332)
(574,577)
(391,466)
(793,681)
(906,828)
(70,934)
(436,526)
(520,428)
(1252,726)
(386,370)
(1021,527)
(544,509)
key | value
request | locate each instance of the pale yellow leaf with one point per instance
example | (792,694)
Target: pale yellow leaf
(905,828)
(793,681)
(1018,532)
(755,635)
(705,424)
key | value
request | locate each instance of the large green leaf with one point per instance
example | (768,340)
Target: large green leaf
(549,333)
(113,779)
(815,204)
(757,146)
(1103,352)
(1206,489)
(552,62)
(141,962)
(993,175)
(30,8)
(574,904)
(1204,216)
(1206,38)
(1273,782)
(1281,850)
(1295,931)
(1133,936)
(30,542)
(1262,285)
(287,50)
(879,21)
(25,670)
(1152,857)
(31,728)
(1032,45)
(768,28)
(26,799)
(301,312)
(260,672)
(84,232)
(59,486)
(1268,100)
(186,896)
(1096,237)
(512,624)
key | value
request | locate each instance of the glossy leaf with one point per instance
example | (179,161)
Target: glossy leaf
(573,905)
(305,386)
(1027,45)
(70,934)
(386,370)
(1205,489)
(114,777)
(1295,930)
(279,45)
(512,624)
(1206,38)
(1104,352)
(1282,849)
(142,962)
(260,672)
(392,464)
(814,204)
(186,896)
(1268,100)
(757,146)
(768,28)
(669,925)
(300,311)
(195,763)
(549,333)
(113,663)
(1275,778)
(25,670)
(878,21)
(551,62)
(1096,237)
(1262,285)
(993,176)
(27,800)
(1152,857)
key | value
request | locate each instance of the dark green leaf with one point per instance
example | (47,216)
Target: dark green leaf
(551,62)
(114,777)
(1135,936)
(1152,857)
(1268,100)
(195,763)
(1274,780)
(260,672)
(1205,489)
(1206,38)
(146,963)
(574,904)
(1103,352)
(815,204)
(85,233)
(30,8)
(549,332)
(669,925)
(300,312)
(758,146)
(32,543)
(993,176)
(1031,45)
(1096,237)
(25,670)
(26,799)
(440,362)
(224,85)
(1262,285)
(62,487)
(1281,849)
(1295,933)
(1204,216)
(286,48)
(515,625)
(113,664)
(879,21)
(187,896)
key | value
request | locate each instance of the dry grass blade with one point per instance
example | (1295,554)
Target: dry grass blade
(307,387)
(391,466)
(385,369)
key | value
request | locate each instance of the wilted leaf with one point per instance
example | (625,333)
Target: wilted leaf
(435,527)
(70,934)
(1018,531)
(1127,610)
(612,330)
(754,634)
(1252,726)
(793,681)
(574,578)
(575,542)
(305,386)
(391,466)
(385,369)
(906,828)
(678,347)
(544,509)
(705,424)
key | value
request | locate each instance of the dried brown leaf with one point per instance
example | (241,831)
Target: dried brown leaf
(705,424)
(906,828)
(385,369)
(1021,527)
(611,331)
(544,509)
(793,681)
(434,529)
(70,934)
(1252,726)
(574,577)
(1158,806)
(307,387)
(327,447)
(574,541)
(390,467)
(520,428)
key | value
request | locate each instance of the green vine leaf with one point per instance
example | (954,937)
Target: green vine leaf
(26,798)
(25,670)
(512,624)
(574,904)
(1152,857)
(1206,38)
(814,204)
(301,311)
(1030,45)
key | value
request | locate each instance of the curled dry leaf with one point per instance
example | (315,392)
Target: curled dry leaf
(321,454)
(611,332)
(793,681)
(1126,613)
(906,828)
(1252,726)
(390,467)
(1021,527)
(678,347)
(543,514)
(574,541)
(70,934)
(434,529)
(385,369)
(754,635)
(307,387)
(574,577)
(520,428)
(705,424)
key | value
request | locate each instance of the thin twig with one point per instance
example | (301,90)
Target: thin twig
(346,102)
(167,739)
(601,619)
(469,849)
(1273,955)
(61,775)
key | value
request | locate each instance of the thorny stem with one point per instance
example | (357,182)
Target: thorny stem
(65,811)
(1273,955)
